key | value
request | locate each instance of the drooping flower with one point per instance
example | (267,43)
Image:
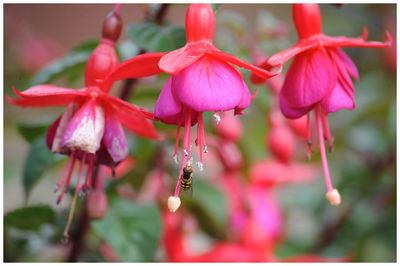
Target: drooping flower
(90,130)
(319,77)
(202,79)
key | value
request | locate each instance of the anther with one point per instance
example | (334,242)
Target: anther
(217,117)
(185,151)
(175,157)
(200,166)
(205,149)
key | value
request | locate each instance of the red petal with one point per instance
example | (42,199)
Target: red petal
(140,66)
(177,60)
(228,58)
(284,56)
(356,42)
(45,95)
(127,108)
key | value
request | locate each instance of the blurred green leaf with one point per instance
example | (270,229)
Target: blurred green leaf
(156,38)
(32,132)
(29,218)
(215,6)
(71,63)
(39,159)
(209,206)
(132,230)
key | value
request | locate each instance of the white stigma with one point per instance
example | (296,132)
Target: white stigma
(173,203)
(333,197)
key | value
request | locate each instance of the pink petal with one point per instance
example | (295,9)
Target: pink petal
(177,60)
(309,78)
(209,85)
(167,109)
(340,98)
(45,95)
(114,138)
(245,102)
(291,112)
(350,66)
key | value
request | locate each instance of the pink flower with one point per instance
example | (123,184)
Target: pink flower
(202,79)
(319,77)
(90,129)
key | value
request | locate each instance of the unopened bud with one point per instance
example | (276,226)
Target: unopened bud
(333,197)
(97,204)
(173,203)
(112,27)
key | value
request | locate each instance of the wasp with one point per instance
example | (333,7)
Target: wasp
(187,179)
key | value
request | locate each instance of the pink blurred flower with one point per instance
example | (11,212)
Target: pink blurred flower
(319,77)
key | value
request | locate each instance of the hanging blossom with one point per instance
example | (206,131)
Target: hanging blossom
(90,131)
(318,78)
(202,79)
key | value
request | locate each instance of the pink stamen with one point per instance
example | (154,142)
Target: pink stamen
(66,187)
(318,120)
(327,132)
(186,147)
(82,163)
(309,137)
(200,135)
(59,185)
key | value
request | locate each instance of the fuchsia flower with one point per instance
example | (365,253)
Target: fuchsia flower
(90,129)
(319,77)
(202,79)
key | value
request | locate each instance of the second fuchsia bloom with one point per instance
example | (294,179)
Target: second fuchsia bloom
(202,79)
(319,76)
(90,129)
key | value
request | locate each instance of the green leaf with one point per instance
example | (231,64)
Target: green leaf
(32,132)
(209,206)
(215,7)
(29,218)
(71,63)
(39,159)
(131,229)
(156,38)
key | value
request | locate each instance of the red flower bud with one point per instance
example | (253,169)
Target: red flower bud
(200,23)
(97,204)
(112,27)
(307,19)
(281,143)
(299,126)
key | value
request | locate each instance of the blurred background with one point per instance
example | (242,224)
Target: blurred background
(50,43)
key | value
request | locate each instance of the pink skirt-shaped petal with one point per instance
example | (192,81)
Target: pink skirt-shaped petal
(168,109)
(114,137)
(209,85)
(310,77)
(340,98)
(291,112)
(349,64)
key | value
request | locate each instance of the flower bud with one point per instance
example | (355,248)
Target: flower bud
(307,19)
(281,143)
(299,126)
(97,204)
(112,27)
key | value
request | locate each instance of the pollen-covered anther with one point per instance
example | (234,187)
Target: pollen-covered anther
(333,197)
(174,203)
(217,118)
(200,166)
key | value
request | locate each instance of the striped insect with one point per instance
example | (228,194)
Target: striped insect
(187,180)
